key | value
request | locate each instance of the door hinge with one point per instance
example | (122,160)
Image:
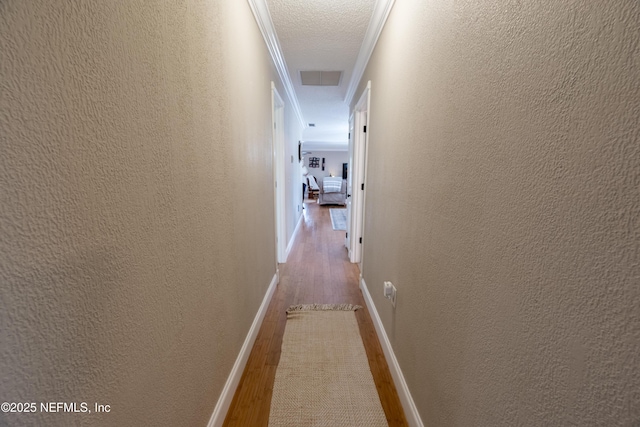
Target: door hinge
(361,240)
(346,235)
(364,129)
(362,186)
(349,135)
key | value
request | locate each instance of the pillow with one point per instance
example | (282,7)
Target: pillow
(332,184)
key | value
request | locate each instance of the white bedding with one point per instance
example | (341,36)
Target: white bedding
(332,184)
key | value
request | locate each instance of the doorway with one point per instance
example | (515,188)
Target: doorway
(277,105)
(358,124)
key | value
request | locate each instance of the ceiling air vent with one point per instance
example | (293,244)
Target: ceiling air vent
(320,78)
(312,125)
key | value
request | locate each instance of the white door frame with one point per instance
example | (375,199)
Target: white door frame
(277,108)
(359,173)
(347,240)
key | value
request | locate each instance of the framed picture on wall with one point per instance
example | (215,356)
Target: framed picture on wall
(314,162)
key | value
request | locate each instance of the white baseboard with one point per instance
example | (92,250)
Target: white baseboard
(220,411)
(410,410)
(293,238)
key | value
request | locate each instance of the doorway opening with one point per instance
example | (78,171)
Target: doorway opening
(356,189)
(277,105)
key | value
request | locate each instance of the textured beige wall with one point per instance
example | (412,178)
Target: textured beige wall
(135,156)
(503,202)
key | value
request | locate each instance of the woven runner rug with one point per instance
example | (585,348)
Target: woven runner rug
(338,218)
(323,377)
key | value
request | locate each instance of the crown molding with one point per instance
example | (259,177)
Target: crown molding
(380,14)
(263,18)
(325,146)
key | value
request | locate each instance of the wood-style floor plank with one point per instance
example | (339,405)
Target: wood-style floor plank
(317,271)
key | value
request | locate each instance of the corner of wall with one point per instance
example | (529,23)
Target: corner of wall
(410,409)
(229,390)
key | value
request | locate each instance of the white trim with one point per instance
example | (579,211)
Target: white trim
(359,174)
(310,150)
(380,14)
(349,233)
(279,184)
(224,401)
(410,410)
(263,18)
(293,237)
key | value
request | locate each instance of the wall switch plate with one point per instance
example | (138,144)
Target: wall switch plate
(390,292)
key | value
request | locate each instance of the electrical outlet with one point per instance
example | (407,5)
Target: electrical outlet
(390,292)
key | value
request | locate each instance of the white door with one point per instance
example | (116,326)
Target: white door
(359,172)
(278,173)
(347,240)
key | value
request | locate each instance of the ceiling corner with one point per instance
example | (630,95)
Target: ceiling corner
(263,19)
(380,14)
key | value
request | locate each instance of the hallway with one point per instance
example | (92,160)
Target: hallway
(317,271)
(138,229)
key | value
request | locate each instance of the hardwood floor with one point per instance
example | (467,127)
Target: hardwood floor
(317,271)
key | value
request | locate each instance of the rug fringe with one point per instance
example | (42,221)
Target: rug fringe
(323,307)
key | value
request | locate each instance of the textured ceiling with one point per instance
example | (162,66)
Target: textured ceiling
(323,36)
